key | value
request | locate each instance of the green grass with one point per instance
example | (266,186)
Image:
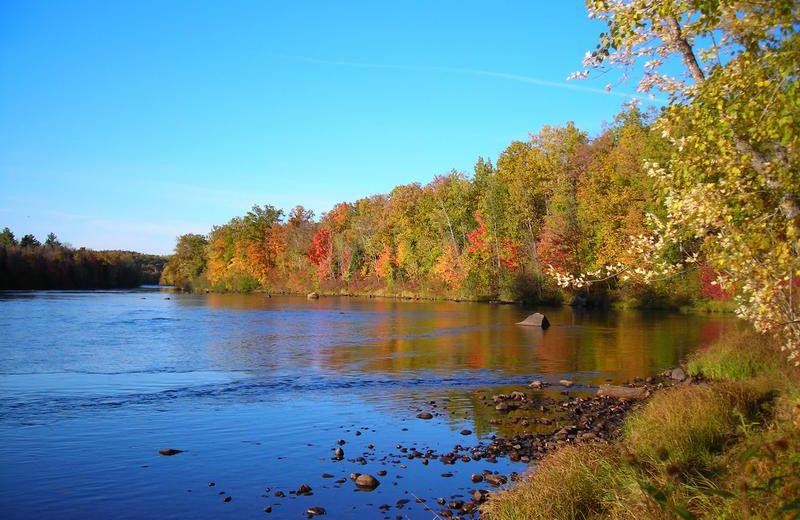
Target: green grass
(724,449)
(737,357)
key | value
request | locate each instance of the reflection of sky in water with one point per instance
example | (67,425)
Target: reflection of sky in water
(258,389)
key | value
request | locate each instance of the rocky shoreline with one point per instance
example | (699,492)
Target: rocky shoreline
(544,416)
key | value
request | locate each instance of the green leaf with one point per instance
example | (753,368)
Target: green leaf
(717,492)
(794,505)
(657,494)
(749,453)
(682,512)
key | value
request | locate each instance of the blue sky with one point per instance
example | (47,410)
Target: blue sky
(124,124)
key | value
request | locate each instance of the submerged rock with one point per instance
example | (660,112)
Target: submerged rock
(367,482)
(424,415)
(169,452)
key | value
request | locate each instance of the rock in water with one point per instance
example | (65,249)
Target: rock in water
(535,320)
(565,382)
(622,392)
(338,454)
(424,415)
(313,296)
(367,482)
(315,511)
(169,452)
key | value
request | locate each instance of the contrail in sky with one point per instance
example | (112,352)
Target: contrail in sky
(477,72)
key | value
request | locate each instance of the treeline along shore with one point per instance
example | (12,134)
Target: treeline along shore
(29,264)
(559,200)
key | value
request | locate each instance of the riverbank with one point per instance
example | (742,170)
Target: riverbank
(699,307)
(724,448)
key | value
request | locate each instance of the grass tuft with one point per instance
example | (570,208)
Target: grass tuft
(683,427)
(576,482)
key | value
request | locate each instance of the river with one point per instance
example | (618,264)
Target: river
(257,391)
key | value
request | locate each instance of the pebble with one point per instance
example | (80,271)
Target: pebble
(315,511)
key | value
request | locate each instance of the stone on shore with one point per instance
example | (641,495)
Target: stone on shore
(677,374)
(535,320)
(623,392)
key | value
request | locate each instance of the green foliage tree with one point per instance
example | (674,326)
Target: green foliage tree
(52,241)
(29,241)
(7,238)
(186,268)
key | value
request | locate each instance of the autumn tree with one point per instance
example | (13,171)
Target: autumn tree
(731,186)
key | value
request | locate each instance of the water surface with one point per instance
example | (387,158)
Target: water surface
(258,390)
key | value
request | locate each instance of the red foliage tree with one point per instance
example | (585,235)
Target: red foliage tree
(709,289)
(320,247)
(509,256)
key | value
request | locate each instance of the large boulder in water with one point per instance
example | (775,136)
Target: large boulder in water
(535,320)
(313,296)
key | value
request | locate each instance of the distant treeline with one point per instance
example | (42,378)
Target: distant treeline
(28,264)
(558,199)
